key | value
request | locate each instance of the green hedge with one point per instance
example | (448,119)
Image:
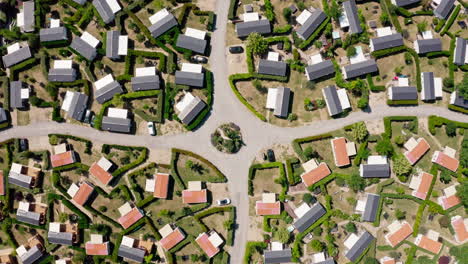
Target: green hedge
(305,44)
(244,77)
(402,102)
(289,168)
(219,174)
(387,52)
(458,109)
(214,210)
(15,69)
(296,247)
(252,247)
(121,170)
(389,119)
(374,88)
(232,9)
(436,121)
(103,216)
(296,144)
(282,180)
(450,21)
(360,153)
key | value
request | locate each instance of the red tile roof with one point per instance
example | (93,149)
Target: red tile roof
(62,159)
(450,201)
(461,234)
(190,197)
(389,261)
(172,239)
(262,208)
(398,236)
(417,152)
(445,161)
(83,193)
(161,182)
(206,245)
(340,153)
(2,183)
(97,171)
(130,218)
(430,245)
(316,174)
(97,249)
(424,185)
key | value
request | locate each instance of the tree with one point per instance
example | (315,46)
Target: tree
(292,117)
(400,140)
(257,43)
(356,183)
(448,82)
(335,10)
(444,221)
(384,19)
(287,13)
(401,166)
(310,153)
(400,215)
(317,231)
(359,131)
(463,86)
(351,51)
(451,129)
(282,235)
(422,260)
(445,176)
(460,253)
(370,260)
(310,85)
(462,193)
(307,197)
(316,245)
(140,38)
(422,26)
(350,227)
(384,147)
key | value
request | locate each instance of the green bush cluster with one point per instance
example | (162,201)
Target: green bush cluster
(253,247)
(402,102)
(389,119)
(436,121)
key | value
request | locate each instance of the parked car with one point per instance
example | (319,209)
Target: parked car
(224,201)
(271,155)
(23,144)
(236,49)
(151,129)
(199,59)
(92,120)
(87,117)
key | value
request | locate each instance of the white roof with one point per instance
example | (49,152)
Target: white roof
(438,87)
(302,18)
(344,22)
(96,239)
(73,190)
(54,227)
(125,209)
(271,98)
(195,33)
(344,100)
(336,35)
(350,148)
(158,16)
(21,250)
(194,185)
(302,210)
(117,112)
(67,101)
(182,104)
(251,17)
(127,241)
(273,56)
(318,257)
(104,163)
(61,148)
(123,45)
(15,167)
(103,81)
(359,57)
(403,81)
(415,182)
(54,23)
(20,19)
(375,159)
(166,230)
(350,241)
(451,190)
(269,197)
(24,93)
(449,151)
(114,5)
(215,239)
(13,47)
(411,143)
(427,34)
(90,39)
(275,245)
(361,205)
(434,235)
(310,165)
(23,206)
(60,261)
(63,64)
(317,58)
(149,186)
(145,71)
(384,31)
(191,67)
(395,226)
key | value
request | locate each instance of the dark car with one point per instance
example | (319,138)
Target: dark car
(236,49)
(271,155)
(88,115)
(23,144)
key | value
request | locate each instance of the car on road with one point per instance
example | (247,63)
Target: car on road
(224,201)
(151,129)
(271,155)
(236,49)
(199,59)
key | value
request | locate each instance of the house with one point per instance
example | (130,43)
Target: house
(458,100)
(368,206)
(342,149)
(62,71)
(277,254)
(314,172)
(189,108)
(420,185)
(31,251)
(349,18)
(278,100)
(19,94)
(422,46)
(75,104)
(145,79)
(25,19)
(129,215)
(85,45)
(31,213)
(386,39)
(63,234)
(459,57)
(442,8)
(80,193)
(252,23)
(101,170)
(355,245)
(190,75)
(2,184)
(54,33)
(209,243)
(193,40)
(402,91)
(268,205)
(309,22)
(321,258)
(107,9)
(161,22)
(117,120)
(158,185)
(429,242)
(460,226)
(360,68)
(446,159)
(431,87)
(96,246)
(63,156)
(272,65)
(170,236)
(16,53)
(134,250)
(106,88)
(415,149)
(337,100)
(116,44)
(376,167)
(194,194)
(3,115)
(389,260)
(22,176)
(307,216)
(402,3)
(449,198)
(319,68)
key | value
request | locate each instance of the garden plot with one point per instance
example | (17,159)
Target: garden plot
(264,181)
(192,169)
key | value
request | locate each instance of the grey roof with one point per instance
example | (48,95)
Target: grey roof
(104,10)
(29,19)
(443,9)
(387,42)
(359,247)
(401,3)
(375,170)
(15,57)
(191,111)
(352,14)
(269,67)
(106,93)
(191,43)
(53,34)
(19,179)
(61,238)
(311,24)
(282,102)
(328,261)
(15,94)
(32,218)
(319,70)
(112,44)
(261,26)
(332,100)
(144,83)
(163,25)
(310,217)
(360,68)
(114,124)
(278,256)
(460,51)
(404,93)
(189,78)
(3,115)
(62,75)
(31,256)
(370,210)
(135,254)
(460,101)
(83,48)
(78,106)
(429,45)
(428,85)
(81,2)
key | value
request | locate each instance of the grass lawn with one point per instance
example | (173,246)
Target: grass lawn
(444,140)
(216,222)
(206,174)
(388,65)
(120,157)
(112,205)
(340,198)
(184,254)
(189,226)
(22,118)
(264,181)
(408,206)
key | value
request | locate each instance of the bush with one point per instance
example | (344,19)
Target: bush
(350,227)
(451,129)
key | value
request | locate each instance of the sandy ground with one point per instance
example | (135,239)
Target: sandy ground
(207,5)
(39,143)
(218,190)
(255,232)
(169,128)
(237,62)
(40,114)
(375,127)
(282,152)
(160,156)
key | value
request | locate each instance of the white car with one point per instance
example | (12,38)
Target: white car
(224,201)
(151,129)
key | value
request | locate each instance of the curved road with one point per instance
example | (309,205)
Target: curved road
(256,134)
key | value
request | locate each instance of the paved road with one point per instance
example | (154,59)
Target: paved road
(257,135)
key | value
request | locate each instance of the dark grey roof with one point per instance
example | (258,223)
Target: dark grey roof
(332,100)
(404,93)
(387,42)
(81,2)
(282,102)
(53,34)
(270,67)
(401,3)
(104,10)
(460,51)
(191,111)
(135,254)
(328,261)
(460,101)
(114,124)
(360,68)
(62,75)
(278,256)
(62,238)
(428,85)
(32,218)
(311,24)
(144,83)
(319,70)
(15,94)
(83,48)
(78,106)
(444,8)
(106,93)
(261,26)
(3,115)
(189,78)
(191,43)
(371,207)
(163,25)
(16,57)
(359,247)
(112,44)
(375,170)
(31,256)
(20,180)
(429,45)
(310,217)
(29,19)
(352,14)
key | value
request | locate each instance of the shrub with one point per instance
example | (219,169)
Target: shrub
(451,129)
(316,245)
(350,227)
(401,166)
(400,215)
(359,131)
(444,221)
